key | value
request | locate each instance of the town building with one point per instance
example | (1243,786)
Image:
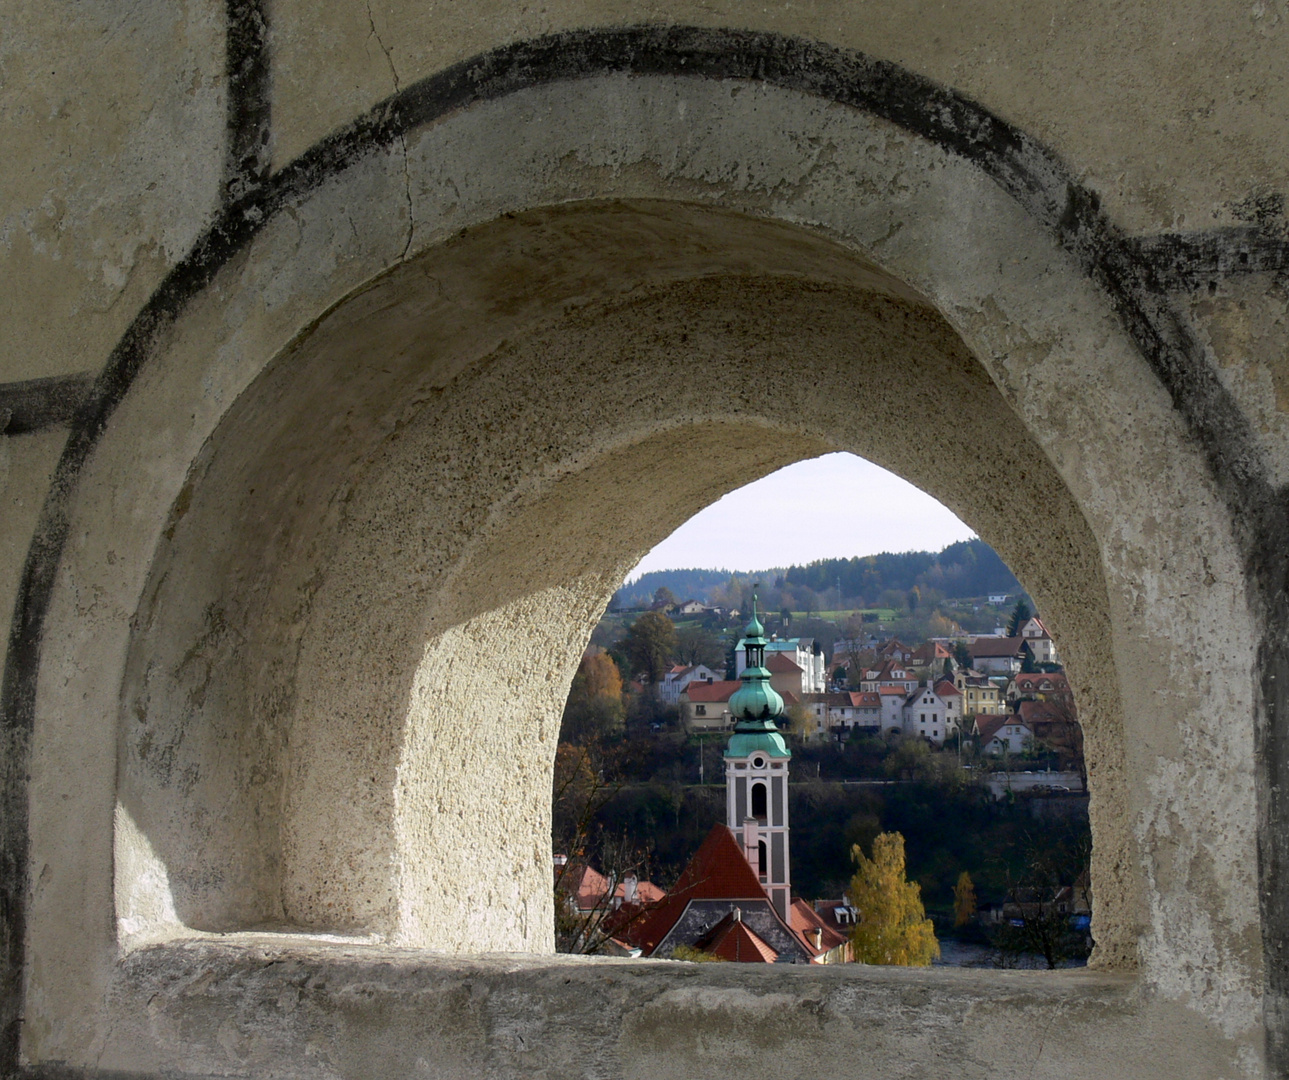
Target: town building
(997,655)
(1040,642)
(734,898)
(1007,733)
(926,715)
(680,676)
(979,694)
(1039,686)
(704,706)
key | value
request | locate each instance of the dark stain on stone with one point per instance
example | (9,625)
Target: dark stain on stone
(37,404)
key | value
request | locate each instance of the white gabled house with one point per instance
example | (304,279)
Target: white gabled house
(680,676)
(926,714)
(1039,641)
(999,734)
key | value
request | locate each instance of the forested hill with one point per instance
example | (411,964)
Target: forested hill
(684,584)
(968,568)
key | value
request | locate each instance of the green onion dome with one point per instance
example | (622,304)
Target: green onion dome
(756,702)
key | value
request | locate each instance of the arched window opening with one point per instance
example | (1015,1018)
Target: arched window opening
(869,697)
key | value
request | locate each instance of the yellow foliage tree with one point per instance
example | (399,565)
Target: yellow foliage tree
(964,899)
(893,927)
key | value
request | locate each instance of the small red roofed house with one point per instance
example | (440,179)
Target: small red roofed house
(930,658)
(730,939)
(704,706)
(1039,686)
(831,944)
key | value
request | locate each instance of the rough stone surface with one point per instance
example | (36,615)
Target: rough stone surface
(366,435)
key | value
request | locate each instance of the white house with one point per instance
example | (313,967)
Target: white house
(953,703)
(893,699)
(1039,641)
(1003,733)
(680,676)
(926,715)
(846,711)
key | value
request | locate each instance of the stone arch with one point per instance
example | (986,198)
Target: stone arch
(976,296)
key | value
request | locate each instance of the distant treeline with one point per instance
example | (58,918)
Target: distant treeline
(965,569)
(684,584)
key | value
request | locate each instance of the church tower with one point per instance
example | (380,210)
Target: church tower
(756,772)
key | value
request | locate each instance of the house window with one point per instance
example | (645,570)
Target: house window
(700,710)
(761,860)
(758,800)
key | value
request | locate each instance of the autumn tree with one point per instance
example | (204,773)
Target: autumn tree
(893,927)
(664,598)
(594,707)
(964,900)
(694,645)
(650,644)
(800,723)
(585,779)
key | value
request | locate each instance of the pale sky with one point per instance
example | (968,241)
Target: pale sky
(835,506)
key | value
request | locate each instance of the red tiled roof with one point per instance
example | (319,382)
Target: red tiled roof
(804,919)
(588,887)
(945,688)
(711,691)
(892,690)
(1056,680)
(989,726)
(718,871)
(646,892)
(731,939)
(865,698)
(781,664)
(1041,712)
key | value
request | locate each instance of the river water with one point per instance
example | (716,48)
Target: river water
(962,954)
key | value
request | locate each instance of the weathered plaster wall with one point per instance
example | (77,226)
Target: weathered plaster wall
(1157,423)
(1169,111)
(114,151)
